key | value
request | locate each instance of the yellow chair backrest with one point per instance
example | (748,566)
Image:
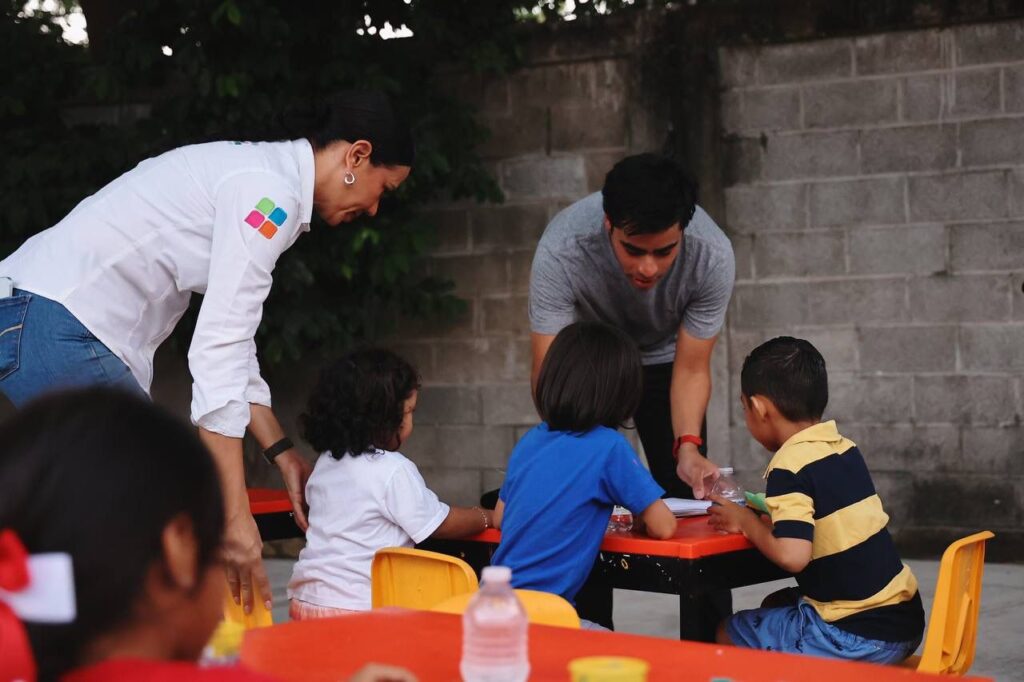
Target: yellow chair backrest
(259,618)
(417,579)
(953,624)
(542,608)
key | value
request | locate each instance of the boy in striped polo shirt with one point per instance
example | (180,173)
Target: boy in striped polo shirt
(855,599)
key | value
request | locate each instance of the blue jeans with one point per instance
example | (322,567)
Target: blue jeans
(800,630)
(43,347)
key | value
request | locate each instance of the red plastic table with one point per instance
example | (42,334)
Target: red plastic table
(697,560)
(429,644)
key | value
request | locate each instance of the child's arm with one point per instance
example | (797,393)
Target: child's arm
(462,522)
(790,554)
(658,520)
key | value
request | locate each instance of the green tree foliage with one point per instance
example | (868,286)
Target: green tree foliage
(219,70)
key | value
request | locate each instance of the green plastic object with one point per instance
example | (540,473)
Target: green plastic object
(756,500)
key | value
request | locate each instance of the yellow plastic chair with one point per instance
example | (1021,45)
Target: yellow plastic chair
(259,618)
(542,608)
(953,624)
(417,579)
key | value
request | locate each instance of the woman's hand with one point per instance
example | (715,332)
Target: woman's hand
(243,560)
(295,470)
(696,471)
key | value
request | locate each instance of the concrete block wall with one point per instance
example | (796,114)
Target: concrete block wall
(558,125)
(875,199)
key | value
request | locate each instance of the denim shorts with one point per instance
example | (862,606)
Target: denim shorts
(800,630)
(43,347)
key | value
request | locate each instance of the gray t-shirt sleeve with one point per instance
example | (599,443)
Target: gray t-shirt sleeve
(552,306)
(704,313)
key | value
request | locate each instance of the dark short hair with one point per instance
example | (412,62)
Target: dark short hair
(356,115)
(789,372)
(591,376)
(358,403)
(647,194)
(98,474)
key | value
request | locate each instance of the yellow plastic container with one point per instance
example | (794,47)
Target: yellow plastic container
(608,669)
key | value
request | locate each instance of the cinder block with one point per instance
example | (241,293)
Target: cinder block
(507,314)
(448,405)
(966,298)
(508,227)
(743,252)
(923,98)
(583,126)
(853,202)
(995,449)
(766,208)
(421,446)
(509,404)
(797,62)
(473,447)
(601,82)
(992,246)
(837,345)
(746,453)
(461,487)
(548,176)
(524,131)
(992,142)
(909,148)
(597,165)
(962,399)
(958,196)
(419,355)
(799,254)
(1015,181)
(850,103)
(451,228)
(902,52)
(759,110)
(520,263)
(893,487)
(909,249)
(943,499)
(473,361)
(1013,88)
(758,305)
(992,347)
(862,398)
(908,349)
(989,43)
(737,66)
(522,360)
(476,274)
(975,93)
(493,479)
(741,160)
(856,301)
(810,155)
(902,447)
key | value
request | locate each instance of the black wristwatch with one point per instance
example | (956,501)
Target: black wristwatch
(277,448)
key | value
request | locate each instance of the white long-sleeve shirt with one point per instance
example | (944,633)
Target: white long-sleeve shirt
(211,219)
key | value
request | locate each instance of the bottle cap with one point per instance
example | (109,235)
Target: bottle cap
(497,574)
(725,471)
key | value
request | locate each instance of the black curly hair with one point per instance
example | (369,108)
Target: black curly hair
(358,403)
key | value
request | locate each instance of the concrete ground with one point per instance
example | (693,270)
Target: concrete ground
(1000,652)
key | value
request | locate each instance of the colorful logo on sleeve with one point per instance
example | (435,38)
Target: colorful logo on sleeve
(266,218)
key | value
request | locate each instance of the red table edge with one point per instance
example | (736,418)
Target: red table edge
(694,538)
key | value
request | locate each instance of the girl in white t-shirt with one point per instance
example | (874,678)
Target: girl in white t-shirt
(363,494)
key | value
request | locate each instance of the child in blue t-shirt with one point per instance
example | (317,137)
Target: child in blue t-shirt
(566,475)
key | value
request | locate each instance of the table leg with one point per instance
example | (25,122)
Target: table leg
(701,612)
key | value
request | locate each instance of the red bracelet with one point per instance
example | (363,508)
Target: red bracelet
(687,438)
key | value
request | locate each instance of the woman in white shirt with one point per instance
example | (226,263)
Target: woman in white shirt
(95,295)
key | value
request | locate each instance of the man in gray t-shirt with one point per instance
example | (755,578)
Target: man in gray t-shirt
(621,257)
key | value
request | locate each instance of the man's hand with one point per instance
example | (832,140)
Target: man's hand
(696,471)
(727,516)
(243,562)
(295,470)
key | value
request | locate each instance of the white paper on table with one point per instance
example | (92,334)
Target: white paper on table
(680,507)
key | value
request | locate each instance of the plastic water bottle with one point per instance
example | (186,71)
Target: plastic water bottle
(494,632)
(727,487)
(621,520)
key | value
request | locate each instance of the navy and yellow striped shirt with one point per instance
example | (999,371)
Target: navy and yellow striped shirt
(819,490)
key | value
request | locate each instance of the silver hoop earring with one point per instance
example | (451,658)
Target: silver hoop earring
(350,178)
